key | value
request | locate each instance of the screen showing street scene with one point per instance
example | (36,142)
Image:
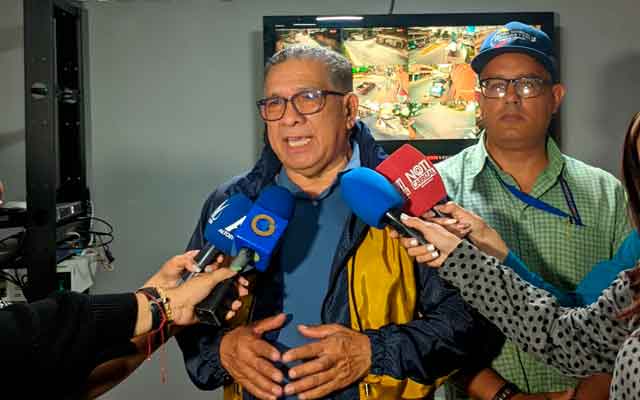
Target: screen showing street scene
(313,37)
(412,83)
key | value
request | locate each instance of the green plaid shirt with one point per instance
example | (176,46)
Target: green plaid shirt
(561,252)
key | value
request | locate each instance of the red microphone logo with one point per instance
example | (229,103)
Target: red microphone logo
(414,175)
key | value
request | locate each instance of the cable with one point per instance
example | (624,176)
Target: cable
(93,234)
(393,3)
(101,220)
(15,256)
(95,246)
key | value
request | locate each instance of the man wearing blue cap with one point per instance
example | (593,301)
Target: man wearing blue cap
(560,215)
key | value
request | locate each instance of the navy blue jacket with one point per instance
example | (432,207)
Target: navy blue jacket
(445,335)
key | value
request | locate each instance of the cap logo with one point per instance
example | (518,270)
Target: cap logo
(505,36)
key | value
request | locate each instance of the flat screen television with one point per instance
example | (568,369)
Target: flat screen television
(411,72)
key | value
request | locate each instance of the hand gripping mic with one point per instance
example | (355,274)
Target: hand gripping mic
(256,238)
(376,201)
(414,175)
(218,233)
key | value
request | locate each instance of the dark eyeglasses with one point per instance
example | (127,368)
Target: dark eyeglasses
(496,88)
(305,102)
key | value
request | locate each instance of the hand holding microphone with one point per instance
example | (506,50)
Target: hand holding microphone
(383,206)
(219,235)
(444,241)
(411,172)
(469,225)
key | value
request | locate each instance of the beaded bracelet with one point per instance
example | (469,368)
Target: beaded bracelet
(166,304)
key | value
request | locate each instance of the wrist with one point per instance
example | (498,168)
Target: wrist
(175,305)
(144,319)
(508,391)
(159,308)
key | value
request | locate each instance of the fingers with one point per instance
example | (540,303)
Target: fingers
(306,352)
(215,277)
(318,391)
(422,253)
(269,324)
(248,359)
(257,391)
(309,368)
(219,261)
(264,351)
(424,257)
(260,393)
(319,331)
(177,264)
(242,285)
(263,377)
(190,264)
(415,223)
(313,386)
(436,262)
(451,208)
(235,306)
(428,215)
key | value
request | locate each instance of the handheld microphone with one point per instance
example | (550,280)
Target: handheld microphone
(376,201)
(416,177)
(265,224)
(222,222)
(256,238)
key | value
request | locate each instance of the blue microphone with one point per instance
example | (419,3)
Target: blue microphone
(256,238)
(218,233)
(263,227)
(376,201)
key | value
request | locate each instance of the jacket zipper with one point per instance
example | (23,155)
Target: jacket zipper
(334,278)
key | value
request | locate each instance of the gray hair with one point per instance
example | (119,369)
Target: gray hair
(338,67)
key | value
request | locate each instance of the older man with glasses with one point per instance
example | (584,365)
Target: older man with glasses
(560,215)
(363,320)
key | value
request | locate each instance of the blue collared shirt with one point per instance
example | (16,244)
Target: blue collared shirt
(307,252)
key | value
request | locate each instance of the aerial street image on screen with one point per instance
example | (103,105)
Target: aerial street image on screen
(413,82)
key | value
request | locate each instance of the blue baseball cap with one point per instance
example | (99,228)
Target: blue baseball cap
(516,37)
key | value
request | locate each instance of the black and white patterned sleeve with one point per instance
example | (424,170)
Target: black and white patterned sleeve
(579,341)
(625,384)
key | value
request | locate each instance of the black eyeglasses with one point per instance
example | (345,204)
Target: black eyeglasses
(308,101)
(496,88)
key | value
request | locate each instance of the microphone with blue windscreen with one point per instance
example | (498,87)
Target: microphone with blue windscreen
(263,227)
(218,233)
(219,236)
(256,239)
(376,201)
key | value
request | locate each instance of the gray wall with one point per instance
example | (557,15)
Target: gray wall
(173,84)
(12,170)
